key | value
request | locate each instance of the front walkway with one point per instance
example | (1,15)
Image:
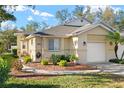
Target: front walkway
(67,72)
(110,67)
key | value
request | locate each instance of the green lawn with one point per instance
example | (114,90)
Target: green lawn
(9,57)
(69,81)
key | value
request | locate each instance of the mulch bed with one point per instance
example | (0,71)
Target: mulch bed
(51,67)
(25,75)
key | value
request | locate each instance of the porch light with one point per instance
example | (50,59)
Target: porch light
(84,43)
(110,43)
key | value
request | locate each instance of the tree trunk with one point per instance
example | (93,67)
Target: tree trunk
(116,49)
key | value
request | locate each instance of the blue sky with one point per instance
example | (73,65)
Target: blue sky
(43,13)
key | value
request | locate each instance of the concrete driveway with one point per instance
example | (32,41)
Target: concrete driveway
(110,67)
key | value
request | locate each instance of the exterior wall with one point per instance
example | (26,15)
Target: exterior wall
(82,48)
(72,45)
(32,48)
(20,43)
(47,53)
(96,35)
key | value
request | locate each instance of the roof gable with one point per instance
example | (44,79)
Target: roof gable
(89,28)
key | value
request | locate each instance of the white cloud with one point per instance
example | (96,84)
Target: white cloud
(30,18)
(21,8)
(40,13)
(35,12)
(7,25)
(46,14)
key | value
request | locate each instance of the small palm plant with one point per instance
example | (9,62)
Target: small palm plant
(116,38)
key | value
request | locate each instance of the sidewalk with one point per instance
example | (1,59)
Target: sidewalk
(67,72)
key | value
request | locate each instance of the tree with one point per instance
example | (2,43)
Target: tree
(44,26)
(119,19)
(78,12)
(108,16)
(32,26)
(81,11)
(63,15)
(4,15)
(116,39)
(7,38)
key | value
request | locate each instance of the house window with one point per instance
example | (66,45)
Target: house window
(23,46)
(54,44)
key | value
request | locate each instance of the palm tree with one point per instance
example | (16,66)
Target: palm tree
(116,38)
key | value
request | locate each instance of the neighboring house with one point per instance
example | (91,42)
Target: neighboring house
(80,37)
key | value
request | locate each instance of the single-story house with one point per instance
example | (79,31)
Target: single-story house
(83,38)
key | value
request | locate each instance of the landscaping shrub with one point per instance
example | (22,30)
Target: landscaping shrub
(57,58)
(121,62)
(4,70)
(54,59)
(73,58)
(114,60)
(63,63)
(17,65)
(68,58)
(27,59)
(44,62)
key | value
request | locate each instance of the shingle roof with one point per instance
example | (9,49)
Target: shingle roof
(40,33)
(61,30)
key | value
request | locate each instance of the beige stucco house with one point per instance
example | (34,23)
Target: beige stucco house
(80,37)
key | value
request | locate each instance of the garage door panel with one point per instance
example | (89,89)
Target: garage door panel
(96,52)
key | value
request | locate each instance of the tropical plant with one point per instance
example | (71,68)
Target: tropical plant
(116,38)
(4,70)
(54,59)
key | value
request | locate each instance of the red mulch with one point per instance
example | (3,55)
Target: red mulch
(51,67)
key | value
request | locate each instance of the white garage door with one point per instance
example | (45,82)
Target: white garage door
(96,52)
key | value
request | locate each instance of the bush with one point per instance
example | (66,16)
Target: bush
(44,62)
(54,59)
(114,60)
(4,70)
(14,51)
(27,59)
(73,58)
(63,63)
(17,65)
